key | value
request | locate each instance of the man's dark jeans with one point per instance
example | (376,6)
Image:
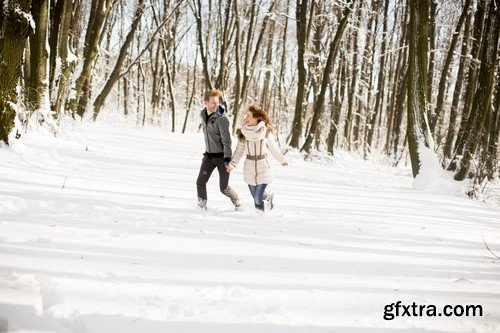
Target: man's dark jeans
(207,167)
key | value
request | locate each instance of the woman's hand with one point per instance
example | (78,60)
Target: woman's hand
(285,164)
(229,167)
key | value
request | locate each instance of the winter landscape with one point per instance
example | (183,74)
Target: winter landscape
(100,232)
(379,120)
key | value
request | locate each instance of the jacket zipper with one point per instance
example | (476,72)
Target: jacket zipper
(206,133)
(255,149)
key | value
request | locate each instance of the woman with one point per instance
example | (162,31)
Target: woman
(255,139)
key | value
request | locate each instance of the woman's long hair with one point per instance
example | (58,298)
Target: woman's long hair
(260,115)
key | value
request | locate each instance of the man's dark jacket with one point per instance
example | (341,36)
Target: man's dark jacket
(216,132)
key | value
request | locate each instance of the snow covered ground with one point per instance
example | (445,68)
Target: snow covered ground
(99,233)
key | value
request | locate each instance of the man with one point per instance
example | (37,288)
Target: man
(218,149)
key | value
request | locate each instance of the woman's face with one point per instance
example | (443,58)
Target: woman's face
(249,119)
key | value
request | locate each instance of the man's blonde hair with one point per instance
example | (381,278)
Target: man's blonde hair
(211,93)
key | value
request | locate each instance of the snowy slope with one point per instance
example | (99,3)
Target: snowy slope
(99,233)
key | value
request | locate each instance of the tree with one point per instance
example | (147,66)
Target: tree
(492,143)
(446,68)
(484,92)
(470,88)
(65,52)
(115,74)
(38,90)
(337,104)
(250,58)
(395,111)
(332,53)
(301,17)
(454,110)
(196,7)
(56,17)
(224,47)
(352,90)
(376,115)
(96,24)
(366,75)
(15,28)
(419,137)
(432,46)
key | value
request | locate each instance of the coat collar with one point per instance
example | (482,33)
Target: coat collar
(219,112)
(254,133)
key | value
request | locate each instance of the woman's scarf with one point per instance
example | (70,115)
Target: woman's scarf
(254,133)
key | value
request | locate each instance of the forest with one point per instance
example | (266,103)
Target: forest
(382,79)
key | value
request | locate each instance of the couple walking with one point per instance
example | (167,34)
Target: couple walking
(255,139)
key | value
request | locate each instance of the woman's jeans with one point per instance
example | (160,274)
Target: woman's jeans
(258,193)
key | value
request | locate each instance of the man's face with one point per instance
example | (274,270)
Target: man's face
(212,104)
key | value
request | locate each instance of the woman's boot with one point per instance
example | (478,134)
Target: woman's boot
(268,197)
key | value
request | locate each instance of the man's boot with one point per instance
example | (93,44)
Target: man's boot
(231,194)
(238,205)
(202,204)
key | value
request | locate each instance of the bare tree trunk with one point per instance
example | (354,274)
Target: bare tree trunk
(397,68)
(168,51)
(492,147)
(246,63)
(125,96)
(452,124)
(157,71)
(266,94)
(237,79)
(319,104)
(281,77)
(38,91)
(446,67)
(317,47)
(170,90)
(352,90)
(301,17)
(224,48)
(400,110)
(337,105)
(26,68)
(107,36)
(56,17)
(98,14)
(249,64)
(173,38)
(482,97)
(366,72)
(77,16)
(15,29)
(399,106)
(143,94)
(472,77)
(203,54)
(193,89)
(419,136)
(379,101)
(113,78)
(432,48)
(67,65)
